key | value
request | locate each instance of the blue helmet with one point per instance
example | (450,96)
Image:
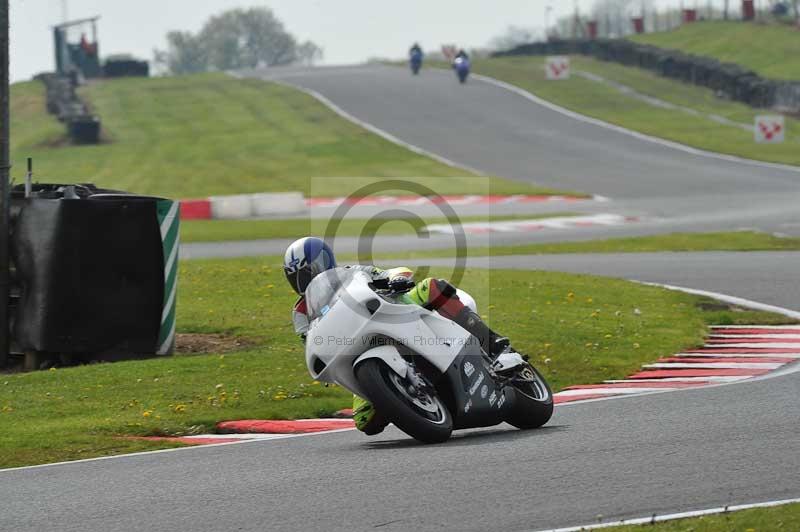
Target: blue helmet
(305,259)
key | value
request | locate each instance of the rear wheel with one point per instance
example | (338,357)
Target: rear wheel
(409,402)
(532,404)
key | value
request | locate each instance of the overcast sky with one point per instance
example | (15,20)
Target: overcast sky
(349,31)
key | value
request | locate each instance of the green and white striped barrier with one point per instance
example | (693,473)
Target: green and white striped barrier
(169,221)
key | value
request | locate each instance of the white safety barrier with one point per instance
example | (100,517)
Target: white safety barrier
(231,207)
(262,205)
(278,203)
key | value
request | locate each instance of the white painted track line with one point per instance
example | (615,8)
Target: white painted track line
(752,336)
(738,301)
(772,327)
(609,391)
(790,356)
(670,517)
(760,345)
(713,365)
(712,379)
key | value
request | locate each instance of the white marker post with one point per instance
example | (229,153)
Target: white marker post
(769,129)
(557,67)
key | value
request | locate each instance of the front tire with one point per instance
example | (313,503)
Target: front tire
(532,402)
(423,417)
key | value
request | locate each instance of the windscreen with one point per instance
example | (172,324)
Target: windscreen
(325,290)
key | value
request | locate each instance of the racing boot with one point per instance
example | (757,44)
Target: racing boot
(492,343)
(367,420)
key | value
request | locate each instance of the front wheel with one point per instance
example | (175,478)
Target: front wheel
(411,404)
(532,402)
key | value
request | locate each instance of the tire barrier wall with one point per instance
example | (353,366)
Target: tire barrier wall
(95,274)
(730,80)
(117,68)
(83,127)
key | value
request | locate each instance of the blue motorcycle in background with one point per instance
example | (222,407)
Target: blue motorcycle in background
(461,65)
(415,58)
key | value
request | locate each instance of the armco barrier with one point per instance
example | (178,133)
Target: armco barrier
(117,68)
(731,80)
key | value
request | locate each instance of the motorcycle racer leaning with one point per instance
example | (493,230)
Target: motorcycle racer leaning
(308,257)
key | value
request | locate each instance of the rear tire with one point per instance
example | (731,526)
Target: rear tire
(532,402)
(380,383)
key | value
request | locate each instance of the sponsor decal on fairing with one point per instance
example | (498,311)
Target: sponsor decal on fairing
(476,384)
(492,398)
(469,369)
(502,401)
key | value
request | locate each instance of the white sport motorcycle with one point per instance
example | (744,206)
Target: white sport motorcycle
(421,371)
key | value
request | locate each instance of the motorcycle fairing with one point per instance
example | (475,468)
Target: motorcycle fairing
(474,397)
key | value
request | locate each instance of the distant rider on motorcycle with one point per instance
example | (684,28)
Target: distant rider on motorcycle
(415,56)
(308,257)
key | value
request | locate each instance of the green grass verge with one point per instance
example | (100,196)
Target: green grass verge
(225,230)
(577,328)
(194,136)
(786,517)
(606,103)
(732,241)
(772,50)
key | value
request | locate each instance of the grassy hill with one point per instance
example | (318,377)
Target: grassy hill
(771,50)
(211,134)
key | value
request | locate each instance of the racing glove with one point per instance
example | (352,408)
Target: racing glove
(401,284)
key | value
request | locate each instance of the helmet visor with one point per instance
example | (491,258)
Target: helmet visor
(300,279)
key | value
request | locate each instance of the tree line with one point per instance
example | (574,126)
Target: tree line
(235,39)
